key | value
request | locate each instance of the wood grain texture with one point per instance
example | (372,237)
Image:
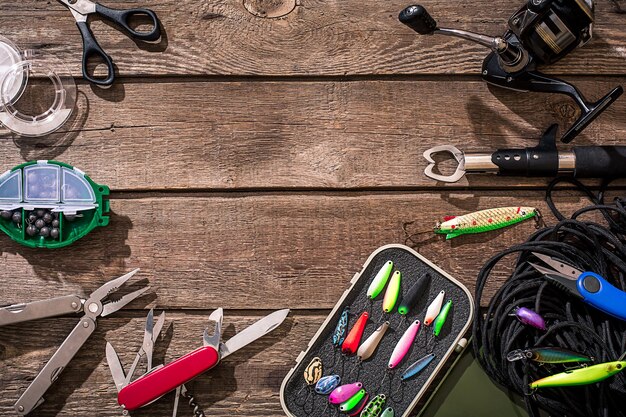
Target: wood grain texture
(327,134)
(246,383)
(337,37)
(262,251)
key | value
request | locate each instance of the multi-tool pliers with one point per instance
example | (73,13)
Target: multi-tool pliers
(592,288)
(162,379)
(97,304)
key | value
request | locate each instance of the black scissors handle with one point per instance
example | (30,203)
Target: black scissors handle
(91,48)
(122,17)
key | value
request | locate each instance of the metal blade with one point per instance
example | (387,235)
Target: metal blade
(561,268)
(217,316)
(253,332)
(147,338)
(82,7)
(156,331)
(111,286)
(112,307)
(115,366)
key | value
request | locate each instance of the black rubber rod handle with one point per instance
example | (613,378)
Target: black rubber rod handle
(600,161)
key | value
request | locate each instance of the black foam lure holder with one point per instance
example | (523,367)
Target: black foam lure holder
(405,396)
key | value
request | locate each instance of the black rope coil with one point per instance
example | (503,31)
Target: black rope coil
(571,323)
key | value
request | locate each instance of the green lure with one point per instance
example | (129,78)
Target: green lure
(352,402)
(375,406)
(547,355)
(581,376)
(380,280)
(484,220)
(388,412)
(392,293)
(441,318)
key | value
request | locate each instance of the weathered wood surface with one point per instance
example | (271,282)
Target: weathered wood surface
(261,251)
(300,37)
(327,134)
(258,154)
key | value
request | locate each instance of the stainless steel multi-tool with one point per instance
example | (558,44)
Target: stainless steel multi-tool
(97,304)
(161,379)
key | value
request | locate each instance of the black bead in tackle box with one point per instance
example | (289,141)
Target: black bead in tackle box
(299,400)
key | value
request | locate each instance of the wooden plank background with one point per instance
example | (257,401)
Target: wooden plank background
(257,155)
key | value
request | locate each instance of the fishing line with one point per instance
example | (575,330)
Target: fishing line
(571,324)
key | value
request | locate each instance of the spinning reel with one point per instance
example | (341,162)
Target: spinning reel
(540,33)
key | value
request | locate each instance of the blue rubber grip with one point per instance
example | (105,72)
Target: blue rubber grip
(604,297)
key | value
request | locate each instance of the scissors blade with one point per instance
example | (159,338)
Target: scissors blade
(561,268)
(147,338)
(156,331)
(115,366)
(82,7)
(253,332)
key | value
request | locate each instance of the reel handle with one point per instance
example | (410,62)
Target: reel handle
(417,18)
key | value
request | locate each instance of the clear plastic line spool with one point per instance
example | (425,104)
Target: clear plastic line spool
(26,83)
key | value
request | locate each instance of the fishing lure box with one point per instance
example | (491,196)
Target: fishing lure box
(299,399)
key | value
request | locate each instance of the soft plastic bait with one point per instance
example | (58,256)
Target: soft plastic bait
(357,410)
(339,334)
(547,355)
(392,293)
(351,403)
(404,344)
(367,349)
(417,366)
(351,343)
(327,384)
(581,376)
(380,280)
(388,412)
(313,371)
(484,220)
(409,300)
(434,308)
(441,318)
(529,317)
(343,393)
(375,406)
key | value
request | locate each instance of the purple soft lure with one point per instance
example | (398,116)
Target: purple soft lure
(529,318)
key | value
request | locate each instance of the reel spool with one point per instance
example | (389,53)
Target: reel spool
(540,33)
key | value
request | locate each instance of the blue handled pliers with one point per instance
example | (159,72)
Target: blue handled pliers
(592,288)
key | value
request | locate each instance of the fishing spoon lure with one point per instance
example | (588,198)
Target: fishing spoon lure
(409,300)
(327,384)
(356,411)
(343,393)
(352,402)
(441,318)
(581,376)
(404,344)
(484,220)
(547,355)
(339,334)
(388,412)
(380,280)
(392,293)
(367,349)
(434,308)
(313,371)
(352,341)
(529,317)
(417,366)
(375,406)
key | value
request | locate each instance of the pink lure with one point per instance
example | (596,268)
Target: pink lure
(344,392)
(404,344)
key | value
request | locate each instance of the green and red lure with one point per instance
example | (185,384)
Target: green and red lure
(485,220)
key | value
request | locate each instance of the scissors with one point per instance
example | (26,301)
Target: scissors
(81,9)
(592,288)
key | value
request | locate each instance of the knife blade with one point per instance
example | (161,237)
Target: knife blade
(115,366)
(147,338)
(253,332)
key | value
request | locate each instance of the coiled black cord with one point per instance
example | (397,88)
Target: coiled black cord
(571,324)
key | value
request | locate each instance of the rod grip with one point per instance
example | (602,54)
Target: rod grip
(600,161)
